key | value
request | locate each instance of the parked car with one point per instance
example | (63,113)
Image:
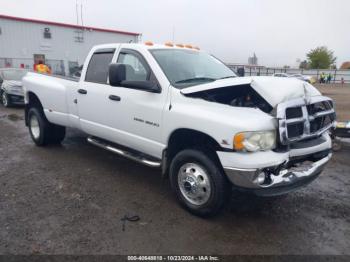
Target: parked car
(11,91)
(182,110)
(281,75)
(306,78)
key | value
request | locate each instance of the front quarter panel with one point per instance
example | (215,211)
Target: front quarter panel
(219,121)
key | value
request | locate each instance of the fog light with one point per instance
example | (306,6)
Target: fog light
(260,179)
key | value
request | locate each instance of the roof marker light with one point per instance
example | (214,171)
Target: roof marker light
(196,47)
(188,46)
(170,44)
(149,43)
(180,45)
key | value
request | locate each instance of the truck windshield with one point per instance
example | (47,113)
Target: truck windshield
(186,68)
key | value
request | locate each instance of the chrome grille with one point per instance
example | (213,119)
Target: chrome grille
(304,118)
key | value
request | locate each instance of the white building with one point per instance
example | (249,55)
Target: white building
(24,42)
(253,60)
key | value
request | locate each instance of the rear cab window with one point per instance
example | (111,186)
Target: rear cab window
(97,71)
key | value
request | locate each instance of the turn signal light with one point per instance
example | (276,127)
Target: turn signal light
(238,141)
(149,43)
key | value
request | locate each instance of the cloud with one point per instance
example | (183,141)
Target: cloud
(278,31)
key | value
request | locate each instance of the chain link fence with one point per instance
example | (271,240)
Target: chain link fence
(57,66)
(338,75)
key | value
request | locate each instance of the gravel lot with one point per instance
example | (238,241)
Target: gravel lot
(341,95)
(70,199)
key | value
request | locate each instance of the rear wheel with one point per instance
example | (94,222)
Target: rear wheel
(42,131)
(199,182)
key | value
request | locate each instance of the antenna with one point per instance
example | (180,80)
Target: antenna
(81,14)
(76,11)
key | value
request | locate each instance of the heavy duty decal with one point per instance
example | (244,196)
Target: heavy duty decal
(146,122)
(139,120)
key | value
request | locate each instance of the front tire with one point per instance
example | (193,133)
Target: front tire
(42,131)
(199,183)
(5,99)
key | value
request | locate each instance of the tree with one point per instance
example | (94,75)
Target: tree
(345,65)
(321,58)
(304,65)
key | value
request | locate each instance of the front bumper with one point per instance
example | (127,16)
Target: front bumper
(272,173)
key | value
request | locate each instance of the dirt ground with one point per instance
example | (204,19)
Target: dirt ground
(341,95)
(70,199)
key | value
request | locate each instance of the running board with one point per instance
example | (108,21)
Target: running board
(131,155)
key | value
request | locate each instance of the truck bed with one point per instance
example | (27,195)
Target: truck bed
(55,93)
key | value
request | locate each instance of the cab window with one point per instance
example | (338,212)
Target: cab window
(97,71)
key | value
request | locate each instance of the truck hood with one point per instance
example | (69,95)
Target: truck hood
(12,87)
(274,90)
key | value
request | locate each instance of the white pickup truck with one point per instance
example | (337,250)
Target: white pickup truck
(184,111)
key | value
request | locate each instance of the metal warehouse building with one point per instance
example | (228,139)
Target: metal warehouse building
(24,42)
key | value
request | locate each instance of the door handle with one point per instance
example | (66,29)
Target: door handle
(114,98)
(82,91)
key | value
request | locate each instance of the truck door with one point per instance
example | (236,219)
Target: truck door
(140,111)
(93,93)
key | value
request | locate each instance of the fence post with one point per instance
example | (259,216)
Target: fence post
(250,71)
(267,71)
(317,74)
(335,75)
(259,71)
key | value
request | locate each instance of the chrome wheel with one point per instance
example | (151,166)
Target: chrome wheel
(4,99)
(194,184)
(34,127)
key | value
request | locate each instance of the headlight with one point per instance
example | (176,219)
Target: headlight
(254,141)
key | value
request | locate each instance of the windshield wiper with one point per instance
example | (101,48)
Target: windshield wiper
(226,77)
(189,80)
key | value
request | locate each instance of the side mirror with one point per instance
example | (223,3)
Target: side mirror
(117,77)
(117,74)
